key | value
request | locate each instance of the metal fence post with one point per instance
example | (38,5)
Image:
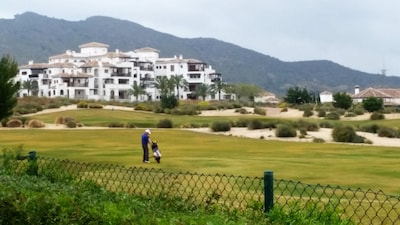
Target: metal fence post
(268,190)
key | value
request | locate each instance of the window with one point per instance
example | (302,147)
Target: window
(24,73)
(172,68)
(106,71)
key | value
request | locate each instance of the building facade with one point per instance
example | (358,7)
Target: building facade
(94,73)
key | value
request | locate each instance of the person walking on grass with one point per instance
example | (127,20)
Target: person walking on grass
(145,145)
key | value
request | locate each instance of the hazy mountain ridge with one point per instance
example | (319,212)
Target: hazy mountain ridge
(34,37)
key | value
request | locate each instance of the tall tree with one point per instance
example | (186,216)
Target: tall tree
(298,96)
(162,83)
(203,90)
(179,82)
(166,87)
(342,100)
(217,87)
(8,86)
(136,91)
(28,85)
(372,104)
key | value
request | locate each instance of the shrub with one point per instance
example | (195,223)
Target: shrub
(325,124)
(303,132)
(308,126)
(346,134)
(359,111)
(260,111)
(71,124)
(332,116)
(377,116)
(130,125)
(308,113)
(14,123)
(68,119)
(164,123)
(321,113)
(318,140)
(35,124)
(242,122)
(284,130)
(142,107)
(242,111)
(59,120)
(255,124)
(220,126)
(284,109)
(343,133)
(387,132)
(270,124)
(115,124)
(95,106)
(82,105)
(349,114)
(372,128)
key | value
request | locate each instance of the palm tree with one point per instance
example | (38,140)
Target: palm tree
(179,82)
(136,91)
(28,85)
(164,85)
(218,86)
(203,90)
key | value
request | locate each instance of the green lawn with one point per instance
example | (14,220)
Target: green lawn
(327,164)
(367,167)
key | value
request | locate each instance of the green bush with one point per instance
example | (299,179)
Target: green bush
(82,105)
(255,124)
(387,132)
(260,111)
(242,122)
(220,126)
(115,125)
(377,116)
(164,123)
(308,113)
(332,116)
(130,125)
(308,126)
(71,124)
(321,113)
(95,106)
(318,140)
(346,134)
(242,111)
(325,124)
(284,130)
(349,114)
(371,128)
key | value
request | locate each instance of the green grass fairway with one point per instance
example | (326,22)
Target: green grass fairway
(367,167)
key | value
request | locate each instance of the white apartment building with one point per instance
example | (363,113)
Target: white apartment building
(95,73)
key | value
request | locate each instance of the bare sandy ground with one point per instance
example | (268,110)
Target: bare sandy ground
(267,134)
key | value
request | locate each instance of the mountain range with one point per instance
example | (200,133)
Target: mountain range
(30,36)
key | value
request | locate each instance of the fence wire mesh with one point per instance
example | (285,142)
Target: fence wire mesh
(360,207)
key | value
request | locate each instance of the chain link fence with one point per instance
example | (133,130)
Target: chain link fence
(234,192)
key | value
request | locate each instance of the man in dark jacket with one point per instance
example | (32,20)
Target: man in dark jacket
(145,145)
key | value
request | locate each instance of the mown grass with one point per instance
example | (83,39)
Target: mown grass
(367,167)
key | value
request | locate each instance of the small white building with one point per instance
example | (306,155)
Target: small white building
(326,97)
(97,74)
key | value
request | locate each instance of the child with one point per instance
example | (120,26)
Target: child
(156,151)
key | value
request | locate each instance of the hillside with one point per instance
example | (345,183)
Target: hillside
(30,36)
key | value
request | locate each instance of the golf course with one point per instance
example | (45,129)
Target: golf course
(335,164)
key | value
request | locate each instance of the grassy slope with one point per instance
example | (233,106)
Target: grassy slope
(333,164)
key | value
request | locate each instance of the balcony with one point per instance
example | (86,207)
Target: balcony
(120,74)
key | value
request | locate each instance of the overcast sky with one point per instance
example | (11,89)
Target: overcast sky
(360,34)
